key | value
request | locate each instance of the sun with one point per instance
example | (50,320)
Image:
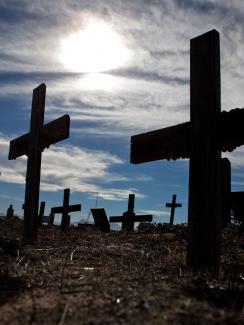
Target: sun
(96,48)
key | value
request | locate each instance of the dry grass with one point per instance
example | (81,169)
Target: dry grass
(87,277)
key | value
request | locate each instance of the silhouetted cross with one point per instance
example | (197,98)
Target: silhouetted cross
(65,209)
(129,217)
(173,205)
(32,144)
(202,139)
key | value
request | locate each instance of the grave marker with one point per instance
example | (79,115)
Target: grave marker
(202,139)
(10,212)
(65,209)
(173,205)
(129,217)
(100,219)
(32,144)
(41,214)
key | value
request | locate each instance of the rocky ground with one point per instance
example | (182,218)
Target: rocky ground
(88,277)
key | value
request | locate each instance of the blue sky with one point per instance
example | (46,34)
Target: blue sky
(138,80)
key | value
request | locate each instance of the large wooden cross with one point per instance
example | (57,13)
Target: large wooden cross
(173,205)
(32,144)
(202,139)
(129,217)
(65,209)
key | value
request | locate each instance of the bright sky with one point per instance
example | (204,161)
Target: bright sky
(118,68)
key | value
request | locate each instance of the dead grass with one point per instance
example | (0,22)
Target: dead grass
(87,277)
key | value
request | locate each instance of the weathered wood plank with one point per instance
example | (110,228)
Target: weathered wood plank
(51,133)
(34,164)
(174,142)
(204,174)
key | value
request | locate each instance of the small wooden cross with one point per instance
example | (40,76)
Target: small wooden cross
(173,205)
(65,209)
(202,139)
(129,217)
(32,144)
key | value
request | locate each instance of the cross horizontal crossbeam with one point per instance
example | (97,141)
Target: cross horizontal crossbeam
(136,218)
(70,208)
(51,133)
(174,142)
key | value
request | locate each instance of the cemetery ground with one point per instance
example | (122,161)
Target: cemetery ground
(84,276)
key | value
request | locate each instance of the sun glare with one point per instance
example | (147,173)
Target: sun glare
(96,48)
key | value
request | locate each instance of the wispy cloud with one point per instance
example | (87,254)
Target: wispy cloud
(151,91)
(156,213)
(83,170)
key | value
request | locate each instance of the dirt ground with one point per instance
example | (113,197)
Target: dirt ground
(84,276)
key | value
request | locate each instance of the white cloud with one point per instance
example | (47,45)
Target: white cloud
(156,213)
(66,166)
(146,93)
(236,158)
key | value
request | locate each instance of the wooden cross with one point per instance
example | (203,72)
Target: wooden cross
(65,209)
(202,139)
(32,144)
(129,217)
(173,205)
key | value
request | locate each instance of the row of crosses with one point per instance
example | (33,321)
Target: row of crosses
(64,210)
(128,218)
(202,139)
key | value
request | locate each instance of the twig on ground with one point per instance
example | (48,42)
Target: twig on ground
(61,322)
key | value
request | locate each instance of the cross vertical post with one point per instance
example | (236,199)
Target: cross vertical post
(204,175)
(129,214)
(173,205)
(65,215)
(34,164)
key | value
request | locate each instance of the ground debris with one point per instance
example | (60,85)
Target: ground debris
(88,277)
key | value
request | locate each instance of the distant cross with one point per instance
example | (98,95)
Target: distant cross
(10,212)
(202,139)
(65,209)
(129,217)
(173,205)
(100,219)
(32,144)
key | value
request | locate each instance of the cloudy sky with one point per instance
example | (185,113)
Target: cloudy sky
(118,68)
